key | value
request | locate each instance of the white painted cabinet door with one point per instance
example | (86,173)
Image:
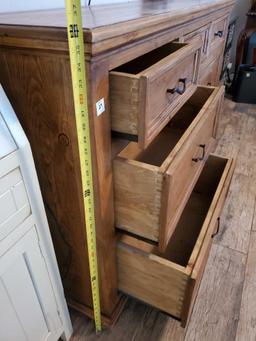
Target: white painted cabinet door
(28,309)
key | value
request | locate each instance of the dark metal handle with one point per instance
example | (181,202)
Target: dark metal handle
(177,89)
(200,158)
(219,34)
(218,228)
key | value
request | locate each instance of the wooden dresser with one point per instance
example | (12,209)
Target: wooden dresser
(154,67)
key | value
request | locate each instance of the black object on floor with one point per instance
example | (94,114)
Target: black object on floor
(245,84)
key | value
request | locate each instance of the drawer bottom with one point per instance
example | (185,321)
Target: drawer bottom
(169,280)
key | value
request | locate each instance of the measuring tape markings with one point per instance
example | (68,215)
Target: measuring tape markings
(76,50)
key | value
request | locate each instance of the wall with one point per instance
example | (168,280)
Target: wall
(24,5)
(240,10)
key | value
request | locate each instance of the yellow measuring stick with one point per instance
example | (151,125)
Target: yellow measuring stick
(76,51)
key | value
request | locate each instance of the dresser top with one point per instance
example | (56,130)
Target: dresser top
(105,15)
(102,23)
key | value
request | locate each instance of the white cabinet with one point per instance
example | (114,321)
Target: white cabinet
(26,292)
(32,302)
(14,202)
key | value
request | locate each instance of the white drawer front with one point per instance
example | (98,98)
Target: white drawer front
(14,203)
(7,144)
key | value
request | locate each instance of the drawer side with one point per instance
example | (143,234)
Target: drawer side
(137,198)
(153,282)
(125,101)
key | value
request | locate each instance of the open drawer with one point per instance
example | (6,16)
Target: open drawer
(153,185)
(147,91)
(169,280)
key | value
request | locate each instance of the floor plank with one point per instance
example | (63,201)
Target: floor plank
(231,128)
(216,312)
(237,137)
(254,218)
(247,320)
(157,326)
(237,216)
(251,110)
(247,151)
(124,329)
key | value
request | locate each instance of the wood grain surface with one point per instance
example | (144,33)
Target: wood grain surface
(110,26)
(216,315)
(111,14)
(239,138)
(247,318)
(217,306)
(35,73)
(237,216)
(153,185)
(39,87)
(140,104)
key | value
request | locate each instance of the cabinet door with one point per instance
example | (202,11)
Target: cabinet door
(28,309)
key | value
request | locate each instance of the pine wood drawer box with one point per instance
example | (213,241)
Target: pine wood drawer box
(147,91)
(169,281)
(153,185)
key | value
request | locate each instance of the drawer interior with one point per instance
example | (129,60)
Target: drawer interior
(190,228)
(185,236)
(157,152)
(143,62)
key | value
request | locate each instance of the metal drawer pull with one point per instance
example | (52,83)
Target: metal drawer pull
(218,228)
(219,34)
(200,158)
(177,89)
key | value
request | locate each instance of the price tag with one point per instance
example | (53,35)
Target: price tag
(100,106)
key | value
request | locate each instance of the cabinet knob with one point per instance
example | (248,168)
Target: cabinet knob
(179,90)
(219,34)
(218,228)
(200,158)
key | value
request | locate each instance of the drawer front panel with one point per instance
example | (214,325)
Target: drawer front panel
(169,90)
(14,204)
(7,144)
(203,35)
(210,69)
(210,75)
(186,168)
(218,31)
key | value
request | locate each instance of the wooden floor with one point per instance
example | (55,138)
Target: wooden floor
(225,308)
